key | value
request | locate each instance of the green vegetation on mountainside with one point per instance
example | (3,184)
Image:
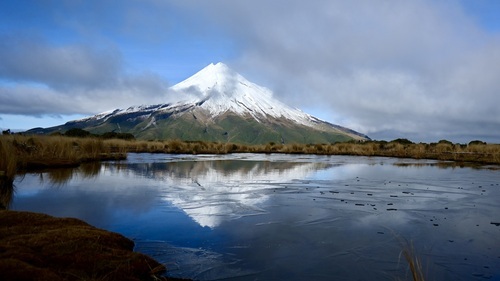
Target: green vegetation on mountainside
(228,128)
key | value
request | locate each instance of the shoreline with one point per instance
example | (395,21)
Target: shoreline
(42,247)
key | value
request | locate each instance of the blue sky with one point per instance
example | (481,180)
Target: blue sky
(420,69)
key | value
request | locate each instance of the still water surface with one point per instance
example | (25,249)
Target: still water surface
(285,217)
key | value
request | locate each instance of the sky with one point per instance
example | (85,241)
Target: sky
(424,70)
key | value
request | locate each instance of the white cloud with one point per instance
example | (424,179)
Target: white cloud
(34,60)
(44,79)
(418,67)
(38,100)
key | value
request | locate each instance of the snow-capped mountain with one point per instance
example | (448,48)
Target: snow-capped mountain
(219,89)
(217,104)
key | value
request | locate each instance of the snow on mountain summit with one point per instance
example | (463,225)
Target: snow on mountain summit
(208,77)
(219,89)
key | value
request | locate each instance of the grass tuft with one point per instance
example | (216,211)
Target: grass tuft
(412,258)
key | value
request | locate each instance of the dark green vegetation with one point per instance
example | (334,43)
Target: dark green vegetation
(79,133)
(40,247)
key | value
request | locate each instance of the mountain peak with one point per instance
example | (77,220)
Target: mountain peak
(219,89)
(208,77)
(219,66)
(216,69)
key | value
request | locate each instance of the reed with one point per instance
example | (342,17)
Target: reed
(413,260)
(8,158)
(8,167)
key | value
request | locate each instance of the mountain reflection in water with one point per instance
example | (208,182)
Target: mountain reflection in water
(213,191)
(276,217)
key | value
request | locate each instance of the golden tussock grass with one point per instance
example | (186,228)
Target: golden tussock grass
(475,153)
(8,168)
(19,152)
(8,163)
(482,154)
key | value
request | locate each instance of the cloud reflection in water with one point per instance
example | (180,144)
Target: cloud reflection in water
(211,192)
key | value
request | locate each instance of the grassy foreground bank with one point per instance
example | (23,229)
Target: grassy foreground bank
(40,247)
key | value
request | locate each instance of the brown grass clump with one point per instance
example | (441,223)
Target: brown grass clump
(49,151)
(8,163)
(8,168)
(477,153)
(27,152)
(40,247)
(6,194)
(413,260)
(37,152)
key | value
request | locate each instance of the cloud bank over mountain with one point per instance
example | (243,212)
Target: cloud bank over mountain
(424,69)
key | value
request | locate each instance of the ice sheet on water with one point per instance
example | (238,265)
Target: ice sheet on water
(195,263)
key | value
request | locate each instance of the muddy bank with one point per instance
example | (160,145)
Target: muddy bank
(35,246)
